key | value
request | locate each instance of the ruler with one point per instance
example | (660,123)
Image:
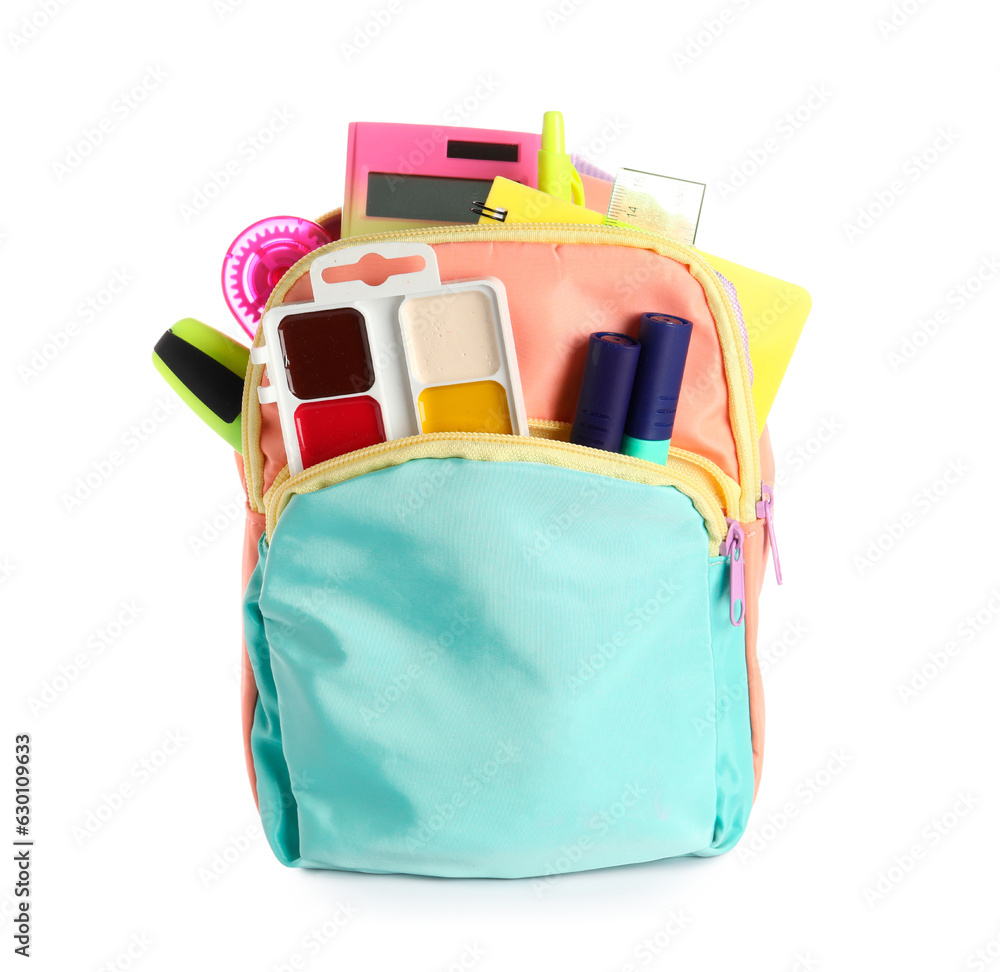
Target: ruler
(661,204)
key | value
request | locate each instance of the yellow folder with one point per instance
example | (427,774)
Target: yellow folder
(774,312)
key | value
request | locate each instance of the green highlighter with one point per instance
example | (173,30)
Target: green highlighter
(650,422)
(556,173)
(206,368)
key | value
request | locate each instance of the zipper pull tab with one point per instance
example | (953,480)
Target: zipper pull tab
(732,547)
(765,509)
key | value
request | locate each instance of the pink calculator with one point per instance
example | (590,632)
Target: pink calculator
(404,176)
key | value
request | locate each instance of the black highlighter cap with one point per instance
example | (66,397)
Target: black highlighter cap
(604,394)
(664,339)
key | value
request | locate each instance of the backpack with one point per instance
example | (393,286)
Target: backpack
(470,654)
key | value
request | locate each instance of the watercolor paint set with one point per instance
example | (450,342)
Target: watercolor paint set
(368,361)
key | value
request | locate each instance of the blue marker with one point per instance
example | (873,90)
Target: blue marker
(650,422)
(604,393)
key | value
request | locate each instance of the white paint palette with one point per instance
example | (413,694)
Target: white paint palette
(385,350)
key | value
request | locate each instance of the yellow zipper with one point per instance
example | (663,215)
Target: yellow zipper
(741,408)
(724,488)
(689,477)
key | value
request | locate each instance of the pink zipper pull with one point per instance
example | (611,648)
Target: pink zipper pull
(765,508)
(732,547)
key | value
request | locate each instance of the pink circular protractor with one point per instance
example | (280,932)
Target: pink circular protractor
(259,257)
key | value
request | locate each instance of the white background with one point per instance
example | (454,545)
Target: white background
(864,445)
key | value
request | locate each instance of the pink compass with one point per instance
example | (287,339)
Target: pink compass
(259,257)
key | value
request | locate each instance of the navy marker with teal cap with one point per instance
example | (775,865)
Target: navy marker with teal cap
(650,423)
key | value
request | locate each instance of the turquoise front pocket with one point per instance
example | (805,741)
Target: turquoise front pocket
(495,669)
